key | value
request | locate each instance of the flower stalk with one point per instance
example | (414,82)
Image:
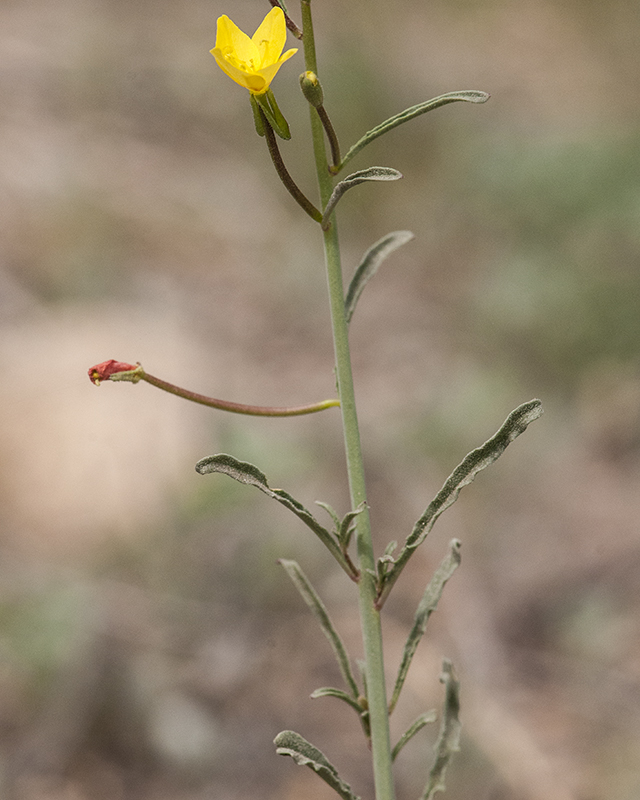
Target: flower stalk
(312,90)
(332,137)
(120,371)
(283,173)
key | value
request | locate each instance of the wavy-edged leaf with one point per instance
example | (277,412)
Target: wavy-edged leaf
(250,475)
(469,96)
(477,460)
(290,743)
(424,719)
(449,738)
(355,179)
(426,607)
(318,609)
(369,265)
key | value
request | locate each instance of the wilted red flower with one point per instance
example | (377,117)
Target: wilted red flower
(104,371)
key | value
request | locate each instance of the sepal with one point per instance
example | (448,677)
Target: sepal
(267,104)
(312,89)
(257,116)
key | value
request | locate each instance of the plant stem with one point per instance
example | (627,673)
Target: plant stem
(369,616)
(238,408)
(291,186)
(333,139)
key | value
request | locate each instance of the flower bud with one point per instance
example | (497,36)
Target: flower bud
(311,89)
(115,371)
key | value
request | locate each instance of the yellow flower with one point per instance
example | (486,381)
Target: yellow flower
(253,63)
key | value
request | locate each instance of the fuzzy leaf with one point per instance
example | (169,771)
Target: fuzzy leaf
(347,526)
(427,606)
(369,265)
(343,528)
(318,609)
(290,743)
(477,460)
(424,719)
(356,178)
(331,512)
(249,474)
(329,691)
(469,96)
(449,738)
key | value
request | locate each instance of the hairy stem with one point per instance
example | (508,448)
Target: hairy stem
(292,187)
(332,137)
(370,617)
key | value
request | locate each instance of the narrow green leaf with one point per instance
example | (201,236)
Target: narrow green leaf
(449,738)
(347,525)
(424,719)
(290,743)
(362,667)
(311,598)
(343,528)
(331,512)
(249,474)
(477,460)
(329,691)
(364,702)
(388,550)
(369,265)
(427,606)
(469,96)
(356,178)
(383,565)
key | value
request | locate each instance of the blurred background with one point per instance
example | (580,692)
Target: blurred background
(150,646)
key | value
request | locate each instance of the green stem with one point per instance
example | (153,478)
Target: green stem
(369,615)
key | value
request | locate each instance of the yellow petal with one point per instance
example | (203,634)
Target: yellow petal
(252,63)
(286,56)
(237,75)
(235,45)
(269,72)
(271,36)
